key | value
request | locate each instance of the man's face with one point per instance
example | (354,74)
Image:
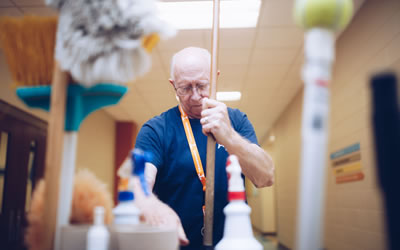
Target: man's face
(192,85)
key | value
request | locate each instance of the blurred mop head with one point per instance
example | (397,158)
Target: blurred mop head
(102,40)
(28,44)
(89,192)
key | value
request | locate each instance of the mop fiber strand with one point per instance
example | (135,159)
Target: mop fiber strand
(330,14)
(28,44)
(101,41)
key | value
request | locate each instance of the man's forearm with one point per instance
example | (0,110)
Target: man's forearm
(256,164)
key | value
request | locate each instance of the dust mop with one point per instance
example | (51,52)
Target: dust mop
(102,41)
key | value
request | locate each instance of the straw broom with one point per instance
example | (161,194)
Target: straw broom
(28,44)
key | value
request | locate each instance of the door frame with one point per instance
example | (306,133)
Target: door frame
(22,128)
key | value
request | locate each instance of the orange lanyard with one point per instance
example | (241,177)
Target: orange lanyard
(193,148)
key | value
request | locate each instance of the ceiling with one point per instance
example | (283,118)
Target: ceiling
(263,63)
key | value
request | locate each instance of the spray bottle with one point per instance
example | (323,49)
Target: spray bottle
(126,212)
(98,237)
(238,233)
(139,159)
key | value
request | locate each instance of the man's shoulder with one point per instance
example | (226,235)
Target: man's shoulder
(157,126)
(163,118)
(239,120)
(235,113)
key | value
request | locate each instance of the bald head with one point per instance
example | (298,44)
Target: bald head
(190,76)
(190,59)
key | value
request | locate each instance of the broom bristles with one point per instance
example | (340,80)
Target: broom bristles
(28,44)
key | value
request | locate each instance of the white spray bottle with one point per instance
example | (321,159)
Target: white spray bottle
(98,237)
(126,212)
(238,233)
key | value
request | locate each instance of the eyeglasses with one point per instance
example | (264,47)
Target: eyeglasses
(188,90)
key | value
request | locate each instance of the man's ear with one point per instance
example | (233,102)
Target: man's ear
(218,72)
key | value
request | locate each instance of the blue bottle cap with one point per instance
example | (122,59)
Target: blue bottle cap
(125,196)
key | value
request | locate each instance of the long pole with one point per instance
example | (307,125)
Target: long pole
(66,186)
(321,19)
(210,170)
(316,76)
(54,152)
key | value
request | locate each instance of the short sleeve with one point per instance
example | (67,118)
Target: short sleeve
(149,140)
(243,126)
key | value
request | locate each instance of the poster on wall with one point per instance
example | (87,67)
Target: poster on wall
(346,164)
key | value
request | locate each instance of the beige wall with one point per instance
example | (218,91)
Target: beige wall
(263,204)
(96,146)
(95,138)
(286,158)
(354,213)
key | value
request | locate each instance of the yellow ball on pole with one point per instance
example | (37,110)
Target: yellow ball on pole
(329,14)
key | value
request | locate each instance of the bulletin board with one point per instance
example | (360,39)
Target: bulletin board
(346,164)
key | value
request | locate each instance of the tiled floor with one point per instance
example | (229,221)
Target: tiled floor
(269,242)
(268,245)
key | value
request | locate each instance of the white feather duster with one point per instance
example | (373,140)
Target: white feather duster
(101,40)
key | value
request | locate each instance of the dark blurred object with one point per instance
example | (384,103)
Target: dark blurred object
(386,126)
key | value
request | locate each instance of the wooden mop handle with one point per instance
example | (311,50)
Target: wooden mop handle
(54,149)
(210,171)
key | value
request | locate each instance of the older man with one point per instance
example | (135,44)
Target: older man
(175,174)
